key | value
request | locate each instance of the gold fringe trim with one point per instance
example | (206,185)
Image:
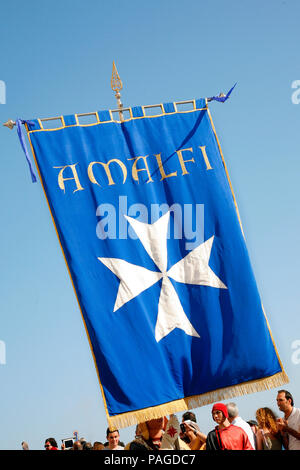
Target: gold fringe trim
(139,416)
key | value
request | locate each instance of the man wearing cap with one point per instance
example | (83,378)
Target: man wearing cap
(226,436)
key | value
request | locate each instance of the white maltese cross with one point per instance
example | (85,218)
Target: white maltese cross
(134,279)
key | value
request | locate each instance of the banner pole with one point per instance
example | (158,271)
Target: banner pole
(116,85)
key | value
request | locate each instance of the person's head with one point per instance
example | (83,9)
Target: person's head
(233,411)
(266,419)
(189,416)
(25,445)
(219,413)
(50,443)
(98,446)
(87,446)
(77,445)
(285,401)
(142,430)
(113,438)
(253,425)
(138,430)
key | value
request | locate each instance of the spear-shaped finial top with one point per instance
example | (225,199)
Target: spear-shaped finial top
(116,86)
(116,82)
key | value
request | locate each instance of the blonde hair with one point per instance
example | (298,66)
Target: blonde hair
(267,419)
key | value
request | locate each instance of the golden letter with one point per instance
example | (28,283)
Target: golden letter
(182,161)
(107,171)
(135,170)
(61,179)
(161,168)
(203,150)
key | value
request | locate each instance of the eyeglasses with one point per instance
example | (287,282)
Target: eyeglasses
(46,445)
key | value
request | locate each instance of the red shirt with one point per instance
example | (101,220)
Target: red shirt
(234,438)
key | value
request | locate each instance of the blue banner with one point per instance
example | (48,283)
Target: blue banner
(149,227)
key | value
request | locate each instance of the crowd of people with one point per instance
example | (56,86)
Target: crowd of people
(231,431)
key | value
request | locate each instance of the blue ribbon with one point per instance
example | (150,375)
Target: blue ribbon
(19,123)
(222,98)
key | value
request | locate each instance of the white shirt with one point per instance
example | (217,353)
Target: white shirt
(294,423)
(239,422)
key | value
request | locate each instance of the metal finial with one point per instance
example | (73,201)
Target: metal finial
(10,124)
(116,82)
(116,86)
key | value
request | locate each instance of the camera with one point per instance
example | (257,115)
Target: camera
(68,443)
(182,427)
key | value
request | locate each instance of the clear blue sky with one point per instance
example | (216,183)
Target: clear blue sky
(56,58)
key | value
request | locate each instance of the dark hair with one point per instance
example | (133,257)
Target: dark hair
(288,396)
(108,431)
(87,446)
(189,415)
(52,441)
(252,422)
(98,445)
